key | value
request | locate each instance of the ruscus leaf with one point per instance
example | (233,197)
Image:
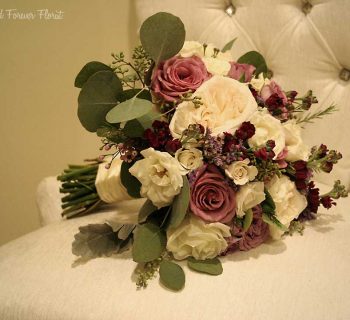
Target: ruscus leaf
(180,205)
(171,275)
(256,59)
(228,45)
(248,219)
(209,266)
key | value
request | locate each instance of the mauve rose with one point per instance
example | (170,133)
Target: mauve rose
(257,233)
(238,69)
(273,88)
(212,199)
(177,76)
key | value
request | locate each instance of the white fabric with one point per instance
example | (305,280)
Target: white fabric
(108,184)
(304,277)
(303,51)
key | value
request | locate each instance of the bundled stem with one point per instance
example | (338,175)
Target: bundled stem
(78,186)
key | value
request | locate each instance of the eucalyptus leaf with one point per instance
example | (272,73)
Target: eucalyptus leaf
(180,205)
(256,59)
(171,275)
(147,209)
(147,119)
(129,110)
(98,96)
(133,129)
(248,219)
(88,70)
(149,243)
(130,93)
(209,266)
(95,240)
(228,45)
(131,184)
(162,36)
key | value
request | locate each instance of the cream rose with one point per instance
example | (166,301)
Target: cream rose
(240,172)
(160,176)
(289,202)
(258,83)
(227,103)
(267,128)
(249,196)
(297,149)
(217,66)
(198,239)
(190,159)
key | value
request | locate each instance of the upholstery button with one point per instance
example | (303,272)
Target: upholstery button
(307,6)
(344,74)
(230,10)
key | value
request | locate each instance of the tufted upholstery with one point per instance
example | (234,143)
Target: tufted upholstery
(306,45)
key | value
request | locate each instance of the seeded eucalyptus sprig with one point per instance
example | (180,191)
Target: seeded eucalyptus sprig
(78,185)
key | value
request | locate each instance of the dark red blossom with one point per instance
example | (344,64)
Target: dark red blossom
(327,202)
(245,131)
(159,136)
(266,153)
(172,145)
(313,197)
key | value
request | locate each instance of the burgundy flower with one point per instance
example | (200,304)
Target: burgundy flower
(173,145)
(239,69)
(212,198)
(177,76)
(257,233)
(327,166)
(300,165)
(327,202)
(313,197)
(245,131)
(152,138)
(159,136)
(273,89)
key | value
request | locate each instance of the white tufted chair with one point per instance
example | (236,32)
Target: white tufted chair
(307,46)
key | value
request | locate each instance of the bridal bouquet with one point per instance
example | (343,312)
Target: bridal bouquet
(213,145)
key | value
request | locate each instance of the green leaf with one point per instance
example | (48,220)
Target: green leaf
(248,218)
(130,93)
(268,205)
(131,183)
(88,70)
(133,129)
(273,221)
(228,45)
(129,110)
(171,275)
(149,243)
(180,205)
(95,240)
(256,59)
(98,96)
(210,266)
(147,119)
(162,36)
(147,209)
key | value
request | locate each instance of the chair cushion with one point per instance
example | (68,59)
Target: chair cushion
(303,277)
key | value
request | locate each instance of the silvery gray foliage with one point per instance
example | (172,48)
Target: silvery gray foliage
(97,240)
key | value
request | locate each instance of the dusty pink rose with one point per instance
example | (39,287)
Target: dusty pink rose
(212,199)
(273,89)
(238,69)
(177,76)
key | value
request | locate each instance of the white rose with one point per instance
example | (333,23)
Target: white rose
(249,196)
(240,172)
(217,66)
(267,128)
(297,149)
(258,83)
(160,176)
(226,104)
(198,239)
(190,159)
(289,202)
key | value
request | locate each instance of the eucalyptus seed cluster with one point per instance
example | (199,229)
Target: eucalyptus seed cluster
(146,272)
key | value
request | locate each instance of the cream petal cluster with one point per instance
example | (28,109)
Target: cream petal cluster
(259,82)
(160,175)
(240,172)
(288,200)
(197,239)
(267,128)
(297,149)
(190,159)
(217,63)
(249,196)
(226,104)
